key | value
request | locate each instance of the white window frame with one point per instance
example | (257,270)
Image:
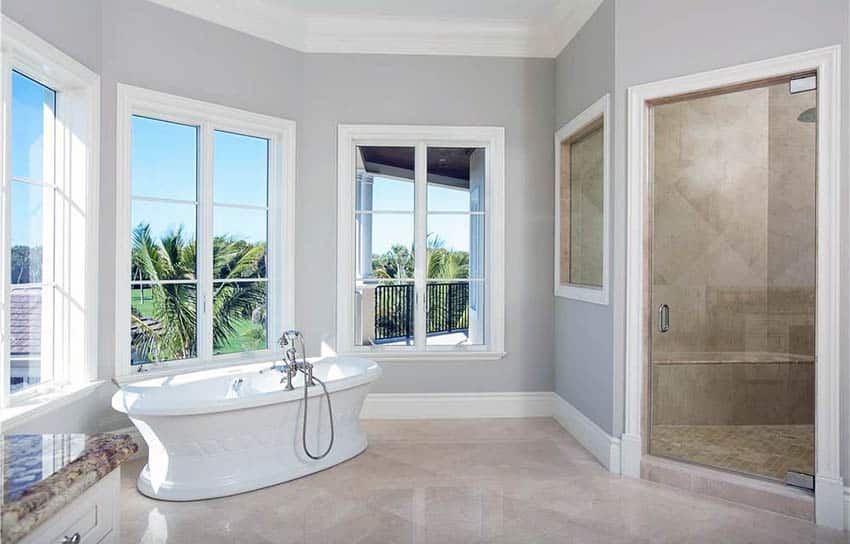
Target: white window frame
(597,111)
(75,215)
(492,139)
(281,222)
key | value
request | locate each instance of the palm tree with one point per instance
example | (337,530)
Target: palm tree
(396,264)
(233,302)
(445,263)
(170,331)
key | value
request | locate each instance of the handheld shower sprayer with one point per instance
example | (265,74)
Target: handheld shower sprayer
(288,342)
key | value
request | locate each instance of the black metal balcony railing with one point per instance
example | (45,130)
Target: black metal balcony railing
(447,305)
(393,312)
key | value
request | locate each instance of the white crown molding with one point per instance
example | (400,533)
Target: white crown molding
(421,36)
(312,33)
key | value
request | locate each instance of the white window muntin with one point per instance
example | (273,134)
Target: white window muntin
(491,139)
(280,133)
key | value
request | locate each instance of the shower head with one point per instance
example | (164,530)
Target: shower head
(808,116)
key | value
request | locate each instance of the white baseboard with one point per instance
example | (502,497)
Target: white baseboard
(456,405)
(600,444)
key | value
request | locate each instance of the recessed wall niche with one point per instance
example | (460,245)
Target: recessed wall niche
(581,206)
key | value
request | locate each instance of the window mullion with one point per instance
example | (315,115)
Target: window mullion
(5,241)
(204,240)
(51,256)
(276,233)
(420,242)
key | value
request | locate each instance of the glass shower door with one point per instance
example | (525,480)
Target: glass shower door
(733,279)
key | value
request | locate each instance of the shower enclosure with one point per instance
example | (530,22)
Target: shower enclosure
(732,283)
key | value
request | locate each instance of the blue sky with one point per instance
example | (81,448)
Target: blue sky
(164,165)
(31,102)
(389,194)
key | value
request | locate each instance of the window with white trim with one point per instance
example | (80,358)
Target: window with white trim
(204,259)
(49,218)
(421,238)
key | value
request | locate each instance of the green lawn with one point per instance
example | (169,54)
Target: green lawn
(146,307)
(249,336)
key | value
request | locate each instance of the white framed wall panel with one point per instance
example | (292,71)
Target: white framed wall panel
(596,111)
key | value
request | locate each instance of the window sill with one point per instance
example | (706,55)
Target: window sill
(25,410)
(174,368)
(420,356)
(583,294)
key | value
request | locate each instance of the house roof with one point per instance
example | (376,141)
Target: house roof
(448,166)
(25,321)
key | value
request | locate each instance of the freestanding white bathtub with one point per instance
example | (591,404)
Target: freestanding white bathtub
(209,435)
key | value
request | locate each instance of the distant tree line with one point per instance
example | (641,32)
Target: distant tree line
(26,264)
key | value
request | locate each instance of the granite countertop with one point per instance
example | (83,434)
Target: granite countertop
(44,472)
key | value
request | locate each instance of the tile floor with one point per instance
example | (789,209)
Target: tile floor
(767,450)
(494,481)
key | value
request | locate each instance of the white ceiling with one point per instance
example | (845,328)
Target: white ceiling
(500,28)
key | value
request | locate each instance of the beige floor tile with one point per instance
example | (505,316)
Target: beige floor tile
(485,481)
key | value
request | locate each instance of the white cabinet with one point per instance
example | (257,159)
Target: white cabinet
(92,518)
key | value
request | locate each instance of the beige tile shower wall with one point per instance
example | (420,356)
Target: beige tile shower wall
(791,223)
(733,393)
(737,269)
(710,223)
(586,193)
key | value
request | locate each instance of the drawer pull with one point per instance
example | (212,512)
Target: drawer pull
(73,539)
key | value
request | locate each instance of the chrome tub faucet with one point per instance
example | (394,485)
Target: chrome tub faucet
(291,365)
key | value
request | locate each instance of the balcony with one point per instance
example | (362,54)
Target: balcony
(388,314)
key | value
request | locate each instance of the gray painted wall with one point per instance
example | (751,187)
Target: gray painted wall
(73,27)
(144,44)
(584,361)
(514,93)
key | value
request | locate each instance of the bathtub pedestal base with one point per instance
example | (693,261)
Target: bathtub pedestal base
(222,483)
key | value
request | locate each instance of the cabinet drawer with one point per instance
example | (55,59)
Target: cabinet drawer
(92,516)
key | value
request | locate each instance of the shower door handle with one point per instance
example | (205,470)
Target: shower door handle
(663,318)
